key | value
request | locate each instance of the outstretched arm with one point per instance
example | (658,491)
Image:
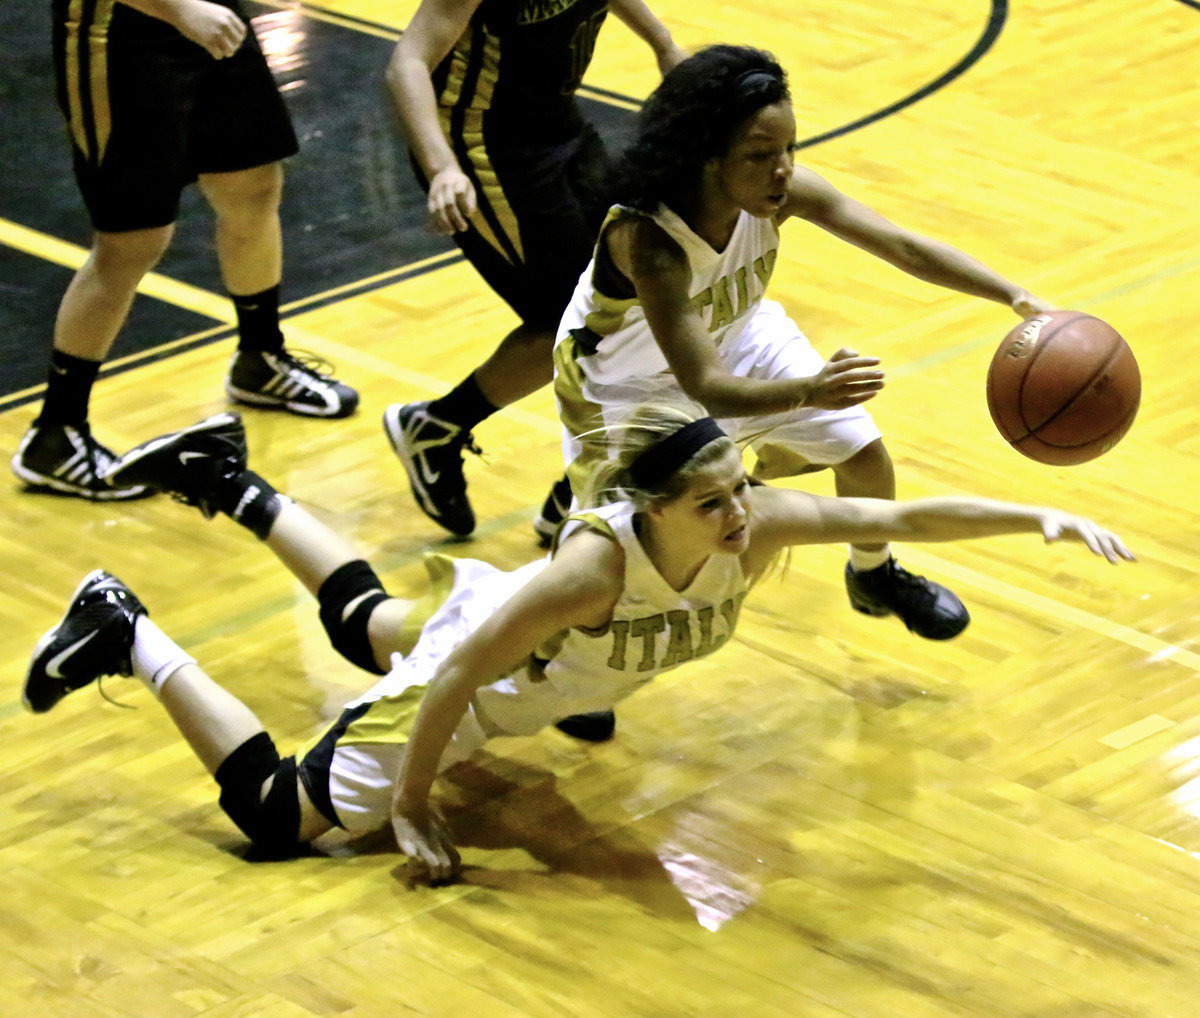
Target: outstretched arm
(212,26)
(813,198)
(643,23)
(661,276)
(782,518)
(578,588)
(435,27)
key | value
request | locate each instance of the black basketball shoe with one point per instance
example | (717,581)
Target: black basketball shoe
(94,638)
(431,452)
(64,458)
(189,465)
(282,380)
(596,726)
(927,608)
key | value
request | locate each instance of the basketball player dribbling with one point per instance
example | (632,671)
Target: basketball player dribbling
(673,303)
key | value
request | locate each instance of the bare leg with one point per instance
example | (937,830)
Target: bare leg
(214,723)
(867,474)
(520,365)
(248,236)
(57,451)
(212,720)
(313,553)
(101,292)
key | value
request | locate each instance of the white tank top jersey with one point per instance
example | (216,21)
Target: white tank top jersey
(654,628)
(606,326)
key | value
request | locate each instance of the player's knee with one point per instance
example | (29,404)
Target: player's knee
(347,598)
(870,459)
(130,254)
(242,199)
(271,819)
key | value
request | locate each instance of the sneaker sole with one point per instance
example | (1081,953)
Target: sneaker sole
(49,635)
(394,430)
(135,456)
(41,482)
(257,399)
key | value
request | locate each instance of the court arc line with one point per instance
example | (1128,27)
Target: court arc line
(997,19)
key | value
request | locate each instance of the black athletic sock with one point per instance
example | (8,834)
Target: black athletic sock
(464,405)
(249,500)
(258,320)
(68,389)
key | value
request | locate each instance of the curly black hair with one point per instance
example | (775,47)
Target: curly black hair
(690,119)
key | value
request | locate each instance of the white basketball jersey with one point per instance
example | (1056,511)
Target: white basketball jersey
(605,326)
(654,628)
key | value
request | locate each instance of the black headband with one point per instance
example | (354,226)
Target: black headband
(754,81)
(660,460)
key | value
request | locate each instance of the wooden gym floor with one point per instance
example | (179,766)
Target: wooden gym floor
(830,817)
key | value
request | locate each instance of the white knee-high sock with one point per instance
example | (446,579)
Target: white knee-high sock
(156,657)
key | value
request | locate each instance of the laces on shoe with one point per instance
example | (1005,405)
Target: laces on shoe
(468,444)
(105,696)
(98,457)
(308,362)
(913,582)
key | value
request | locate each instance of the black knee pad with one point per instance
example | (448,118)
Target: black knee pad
(271,821)
(356,583)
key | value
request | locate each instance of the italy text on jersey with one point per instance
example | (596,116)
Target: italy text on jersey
(681,645)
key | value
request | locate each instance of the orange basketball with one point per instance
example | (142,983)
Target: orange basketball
(1063,387)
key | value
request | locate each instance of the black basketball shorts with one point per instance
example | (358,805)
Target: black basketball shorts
(539,211)
(148,111)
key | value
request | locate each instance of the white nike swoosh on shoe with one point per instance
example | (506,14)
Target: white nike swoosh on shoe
(52,665)
(429,476)
(189,454)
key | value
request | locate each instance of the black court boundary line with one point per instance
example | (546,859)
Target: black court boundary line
(219,332)
(997,19)
(1194,4)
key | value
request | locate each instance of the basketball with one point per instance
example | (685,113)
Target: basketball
(1063,388)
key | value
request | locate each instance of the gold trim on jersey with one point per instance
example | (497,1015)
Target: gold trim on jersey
(96,83)
(578,413)
(473,106)
(388,720)
(531,12)
(609,314)
(98,46)
(592,522)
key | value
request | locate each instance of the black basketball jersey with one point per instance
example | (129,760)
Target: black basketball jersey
(516,68)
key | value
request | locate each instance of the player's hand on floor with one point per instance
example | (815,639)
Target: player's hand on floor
(1028,306)
(216,28)
(1057,526)
(845,380)
(451,200)
(423,836)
